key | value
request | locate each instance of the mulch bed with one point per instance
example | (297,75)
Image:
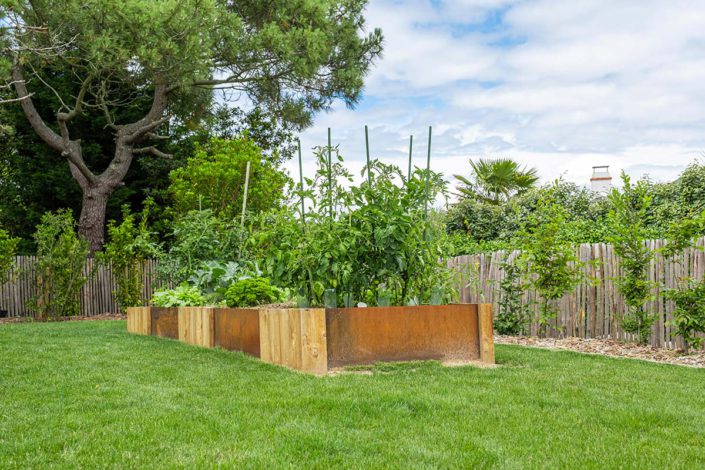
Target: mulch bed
(608,347)
(102,316)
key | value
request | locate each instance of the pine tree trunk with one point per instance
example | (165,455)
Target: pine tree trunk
(91,224)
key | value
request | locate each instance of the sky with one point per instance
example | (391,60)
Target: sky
(561,86)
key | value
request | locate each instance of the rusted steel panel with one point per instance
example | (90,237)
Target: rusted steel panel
(165,322)
(367,335)
(237,329)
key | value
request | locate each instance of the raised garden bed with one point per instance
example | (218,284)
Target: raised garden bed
(317,340)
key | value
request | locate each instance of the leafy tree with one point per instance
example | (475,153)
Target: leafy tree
(214,178)
(291,57)
(61,258)
(549,258)
(628,232)
(496,181)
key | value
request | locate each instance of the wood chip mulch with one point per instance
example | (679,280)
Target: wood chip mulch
(609,347)
(102,316)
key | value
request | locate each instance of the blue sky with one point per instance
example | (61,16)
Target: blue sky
(560,86)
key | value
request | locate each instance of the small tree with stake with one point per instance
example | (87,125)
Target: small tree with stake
(628,232)
(689,297)
(549,259)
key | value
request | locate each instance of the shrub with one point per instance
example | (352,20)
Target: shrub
(513,313)
(183,296)
(8,249)
(689,311)
(251,292)
(129,246)
(61,258)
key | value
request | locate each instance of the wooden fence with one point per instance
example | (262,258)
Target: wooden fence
(594,309)
(96,295)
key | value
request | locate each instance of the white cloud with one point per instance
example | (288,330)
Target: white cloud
(561,86)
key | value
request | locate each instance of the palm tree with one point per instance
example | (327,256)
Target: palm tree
(497,180)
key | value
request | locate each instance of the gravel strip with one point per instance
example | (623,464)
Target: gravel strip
(608,347)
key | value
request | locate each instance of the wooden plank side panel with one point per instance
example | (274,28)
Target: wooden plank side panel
(486,333)
(139,320)
(196,326)
(314,344)
(294,338)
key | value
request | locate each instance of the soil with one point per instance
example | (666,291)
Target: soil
(608,347)
(102,316)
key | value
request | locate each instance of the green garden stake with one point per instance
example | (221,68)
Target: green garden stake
(330,298)
(428,170)
(411,147)
(367,150)
(301,178)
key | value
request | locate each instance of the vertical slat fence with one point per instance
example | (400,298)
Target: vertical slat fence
(96,296)
(594,308)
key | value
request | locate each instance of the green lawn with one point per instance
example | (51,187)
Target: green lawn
(88,394)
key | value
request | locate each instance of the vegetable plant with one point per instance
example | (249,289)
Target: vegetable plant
(214,278)
(251,292)
(356,238)
(182,296)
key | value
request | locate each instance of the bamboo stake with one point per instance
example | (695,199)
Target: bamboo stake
(301,178)
(330,180)
(244,195)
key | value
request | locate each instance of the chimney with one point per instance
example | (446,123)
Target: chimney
(601,181)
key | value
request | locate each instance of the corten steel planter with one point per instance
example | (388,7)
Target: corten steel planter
(165,322)
(316,340)
(237,329)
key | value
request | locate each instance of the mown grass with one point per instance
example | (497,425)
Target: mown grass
(88,394)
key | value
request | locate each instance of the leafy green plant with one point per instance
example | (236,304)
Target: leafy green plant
(182,296)
(628,233)
(251,292)
(549,258)
(512,314)
(129,246)
(8,250)
(61,258)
